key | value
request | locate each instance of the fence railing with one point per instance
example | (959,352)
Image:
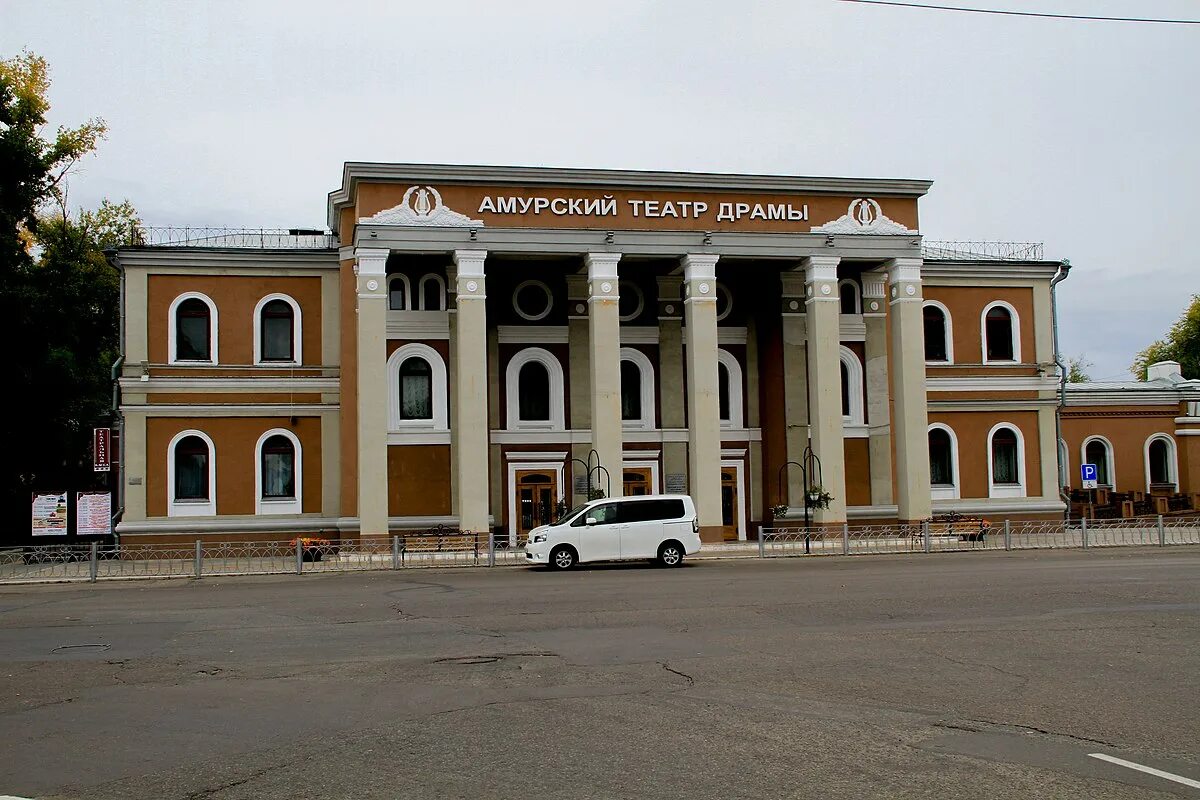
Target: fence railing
(449,548)
(982,251)
(266,238)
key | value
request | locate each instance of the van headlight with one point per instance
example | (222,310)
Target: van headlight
(539,537)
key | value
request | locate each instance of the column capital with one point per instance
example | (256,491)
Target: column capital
(874,292)
(470,262)
(820,278)
(371,260)
(904,276)
(602,276)
(670,292)
(700,266)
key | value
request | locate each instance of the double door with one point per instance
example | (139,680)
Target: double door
(537,500)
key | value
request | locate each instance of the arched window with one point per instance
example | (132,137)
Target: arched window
(631,302)
(191,475)
(1098,450)
(277,330)
(637,389)
(1161,465)
(943,462)
(192,329)
(416,389)
(278,474)
(729,389)
(849,297)
(853,406)
(1006,462)
(631,391)
(724,301)
(533,383)
(938,345)
(398,293)
(534,391)
(417,395)
(433,293)
(1001,333)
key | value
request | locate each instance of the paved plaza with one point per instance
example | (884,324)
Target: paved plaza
(966,675)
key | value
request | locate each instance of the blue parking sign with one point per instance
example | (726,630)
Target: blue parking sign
(1089,475)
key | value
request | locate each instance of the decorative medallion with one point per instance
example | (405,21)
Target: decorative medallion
(606,287)
(893,291)
(910,290)
(864,216)
(874,305)
(704,288)
(422,205)
(795,304)
(579,308)
(372,285)
(472,286)
(826,289)
(670,309)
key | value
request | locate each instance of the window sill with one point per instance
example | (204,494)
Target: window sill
(278,506)
(1007,490)
(191,508)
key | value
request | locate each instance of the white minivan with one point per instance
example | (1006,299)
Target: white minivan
(660,528)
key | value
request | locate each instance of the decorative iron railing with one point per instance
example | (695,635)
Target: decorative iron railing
(983,251)
(264,238)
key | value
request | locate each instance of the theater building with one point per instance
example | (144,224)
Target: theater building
(476,346)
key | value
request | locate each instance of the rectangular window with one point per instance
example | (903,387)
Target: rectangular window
(651,510)
(192,340)
(277,339)
(279,475)
(1004,462)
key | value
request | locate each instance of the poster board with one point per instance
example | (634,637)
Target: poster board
(49,514)
(93,514)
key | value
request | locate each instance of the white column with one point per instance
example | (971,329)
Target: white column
(672,394)
(371,275)
(470,391)
(604,350)
(704,411)
(910,414)
(879,412)
(580,379)
(795,388)
(825,382)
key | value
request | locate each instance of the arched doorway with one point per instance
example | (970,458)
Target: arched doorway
(537,500)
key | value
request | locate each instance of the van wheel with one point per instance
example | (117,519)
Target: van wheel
(563,558)
(670,554)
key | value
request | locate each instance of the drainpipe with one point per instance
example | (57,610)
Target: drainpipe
(115,375)
(1064,269)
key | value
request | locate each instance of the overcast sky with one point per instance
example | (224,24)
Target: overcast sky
(1079,134)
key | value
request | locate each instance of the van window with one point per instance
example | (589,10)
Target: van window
(651,510)
(603,514)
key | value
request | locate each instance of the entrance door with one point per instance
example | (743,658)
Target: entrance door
(636,481)
(537,498)
(729,504)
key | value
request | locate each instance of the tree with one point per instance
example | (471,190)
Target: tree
(1077,369)
(1182,344)
(59,303)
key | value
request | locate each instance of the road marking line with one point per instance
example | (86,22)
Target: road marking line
(1148,770)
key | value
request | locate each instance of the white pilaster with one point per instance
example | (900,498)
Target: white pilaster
(470,391)
(604,345)
(704,424)
(825,382)
(910,418)
(370,271)
(879,413)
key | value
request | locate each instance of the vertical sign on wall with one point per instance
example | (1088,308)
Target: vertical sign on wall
(93,514)
(50,514)
(101,449)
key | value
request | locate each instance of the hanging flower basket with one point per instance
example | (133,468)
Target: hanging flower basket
(817,497)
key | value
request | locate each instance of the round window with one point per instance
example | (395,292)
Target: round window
(632,301)
(724,301)
(532,300)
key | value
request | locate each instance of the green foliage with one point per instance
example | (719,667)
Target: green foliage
(1077,369)
(1182,344)
(59,297)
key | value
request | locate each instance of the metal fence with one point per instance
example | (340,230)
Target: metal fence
(265,238)
(933,537)
(200,559)
(982,251)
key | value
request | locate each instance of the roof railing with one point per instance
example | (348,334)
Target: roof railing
(262,238)
(982,251)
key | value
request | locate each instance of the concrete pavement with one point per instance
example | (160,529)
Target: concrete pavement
(988,675)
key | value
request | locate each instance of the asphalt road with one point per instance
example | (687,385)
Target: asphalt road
(986,675)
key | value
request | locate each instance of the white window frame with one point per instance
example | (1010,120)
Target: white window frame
(643,459)
(438,394)
(549,301)
(1007,489)
(857,295)
(950,491)
(646,368)
(432,276)
(735,460)
(641,300)
(855,384)
(291,505)
(1016,333)
(1110,458)
(735,388)
(172,329)
(408,297)
(192,508)
(297,329)
(723,287)
(512,391)
(948,331)
(1172,457)
(1064,475)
